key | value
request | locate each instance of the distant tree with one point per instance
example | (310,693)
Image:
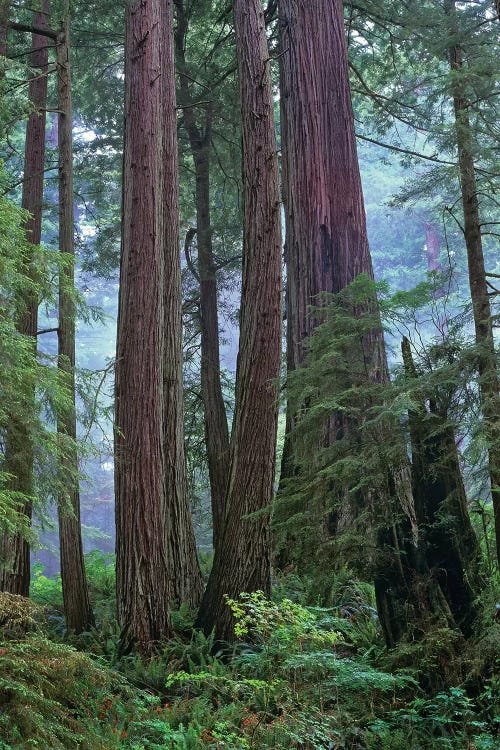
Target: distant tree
(242,559)
(199,131)
(153,526)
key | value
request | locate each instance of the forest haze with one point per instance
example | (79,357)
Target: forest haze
(249,390)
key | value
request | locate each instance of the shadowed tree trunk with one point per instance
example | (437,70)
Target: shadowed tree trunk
(488,375)
(77,609)
(19,453)
(153,527)
(242,560)
(452,548)
(216,427)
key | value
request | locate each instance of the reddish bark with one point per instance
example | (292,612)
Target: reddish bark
(242,560)
(19,453)
(153,531)
(77,609)
(326,241)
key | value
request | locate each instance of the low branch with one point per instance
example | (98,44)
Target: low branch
(50,33)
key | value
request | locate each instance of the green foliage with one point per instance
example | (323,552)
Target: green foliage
(54,697)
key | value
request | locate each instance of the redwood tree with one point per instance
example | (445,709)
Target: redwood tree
(242,560)
(19,454)
(326,249)
(326,244)
(77,607)
(153,528)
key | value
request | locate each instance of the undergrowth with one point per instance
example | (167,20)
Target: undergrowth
(301,676)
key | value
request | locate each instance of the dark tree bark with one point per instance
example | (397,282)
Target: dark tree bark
(153,529)
(451,546)
(216,427)
(488,376)
(19,452)
(77,609)
(4,19)
(242,560)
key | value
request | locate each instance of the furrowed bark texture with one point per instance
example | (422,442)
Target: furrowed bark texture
(489,382)
(151,504)
(216,427)
(326,249)
(326,244)
(19,452)
(242,560)
(326,241)
(77,609)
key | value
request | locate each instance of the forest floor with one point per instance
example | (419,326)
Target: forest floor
(301,676)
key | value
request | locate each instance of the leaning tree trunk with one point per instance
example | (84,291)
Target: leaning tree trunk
(153,531)
(488,376)
(242,560)
(19,451)
(216,427)
(77,607)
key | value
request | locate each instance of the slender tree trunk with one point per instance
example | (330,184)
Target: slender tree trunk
(488,375)
(19,452)
(216,427)
(186,584)
(77,607)
(242,560)
(153,531)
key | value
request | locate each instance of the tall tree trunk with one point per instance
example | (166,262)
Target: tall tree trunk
(326,244)
(186,583)
(488,375)
(326,249)
(19,452)
(242,560)
(452,549)
(77,607)
(153,530)
(216,427)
